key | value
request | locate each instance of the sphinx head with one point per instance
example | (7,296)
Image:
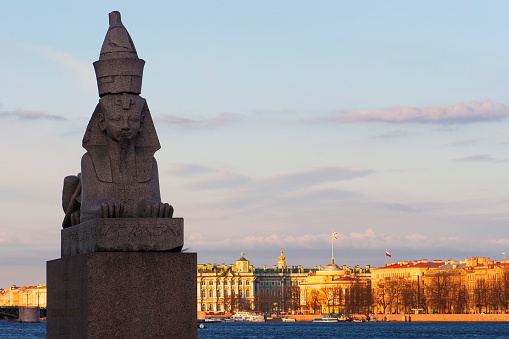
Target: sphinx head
(121,117)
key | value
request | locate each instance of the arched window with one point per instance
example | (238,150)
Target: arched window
(240,293)
(211,294)
(219,293)
(247,293)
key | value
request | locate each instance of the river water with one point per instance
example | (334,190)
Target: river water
(309,330)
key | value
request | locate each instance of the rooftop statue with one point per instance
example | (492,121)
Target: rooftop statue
(119,177)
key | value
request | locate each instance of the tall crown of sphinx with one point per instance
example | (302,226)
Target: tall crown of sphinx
(118,70)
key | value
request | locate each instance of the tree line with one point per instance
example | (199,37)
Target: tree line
(443,292)
(437,292)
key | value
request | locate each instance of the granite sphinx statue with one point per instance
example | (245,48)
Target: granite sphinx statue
(119,177)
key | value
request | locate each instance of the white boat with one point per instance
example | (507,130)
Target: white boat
(213,320)
(289,320)
(247,316)
(325,320)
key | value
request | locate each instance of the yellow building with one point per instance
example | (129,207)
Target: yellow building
(222,288)
(336,290)
(241,287)
(24,296)
(399,287)
(277,289)
(478,284)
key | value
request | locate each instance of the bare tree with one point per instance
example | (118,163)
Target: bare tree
(327,297)
(337,299)
(314,302)
(358,298)
(382,296)
(409,295)
(481,295)
(440,291)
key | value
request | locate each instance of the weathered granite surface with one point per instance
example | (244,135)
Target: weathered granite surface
(122,295)
(121,274)
(119,177)
(123,234)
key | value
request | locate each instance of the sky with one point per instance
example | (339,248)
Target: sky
(280,122)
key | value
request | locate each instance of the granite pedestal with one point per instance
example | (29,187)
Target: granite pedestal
(122,278)
(122,295)
(123,234)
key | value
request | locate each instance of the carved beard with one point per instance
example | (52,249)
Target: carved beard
(125,150)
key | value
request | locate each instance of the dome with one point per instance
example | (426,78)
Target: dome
(242,257)
(281,257)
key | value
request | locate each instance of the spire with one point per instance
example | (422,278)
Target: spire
(282,262)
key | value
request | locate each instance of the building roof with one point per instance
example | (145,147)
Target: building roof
(345,279)
(242,257)
(414,264)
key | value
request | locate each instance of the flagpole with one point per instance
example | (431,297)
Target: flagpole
(332,259)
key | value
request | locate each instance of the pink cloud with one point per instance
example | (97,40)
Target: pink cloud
(460,113)
(222,119)
(23,114)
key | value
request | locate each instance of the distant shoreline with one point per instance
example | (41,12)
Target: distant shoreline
(406,317)
(444,317)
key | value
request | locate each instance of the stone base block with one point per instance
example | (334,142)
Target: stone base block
(123,235)
(122,295)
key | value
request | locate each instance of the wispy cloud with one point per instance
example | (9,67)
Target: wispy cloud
(190,170)
(353,240)
(503,241)
(316,176)
(460,113)
(221,120)
(461,143)
(477,158)
(289,189)
(416,207)
(220,181)
(23,114)
(390,135)
(84,70)
(280,183)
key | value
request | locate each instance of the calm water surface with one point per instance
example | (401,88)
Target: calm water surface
(309,330)
(354,330)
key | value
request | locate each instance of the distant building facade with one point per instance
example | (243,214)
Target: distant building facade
(226,288)
(336,290)
(241,287)
(24,296)
(277,288)
(473,285)
(400,287)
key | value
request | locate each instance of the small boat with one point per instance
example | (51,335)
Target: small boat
(213,320)
(289,320)
(325,320)
(247,316)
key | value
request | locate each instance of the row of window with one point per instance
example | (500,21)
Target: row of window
(240,294)
(211,282)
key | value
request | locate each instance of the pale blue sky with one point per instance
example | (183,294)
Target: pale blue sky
(385,121)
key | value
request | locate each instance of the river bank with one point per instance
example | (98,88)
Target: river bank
(403,317)
(443,317)
(422,317)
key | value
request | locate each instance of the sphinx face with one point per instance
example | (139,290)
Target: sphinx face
(121,117)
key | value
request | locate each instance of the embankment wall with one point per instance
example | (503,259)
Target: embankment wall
(444,317)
